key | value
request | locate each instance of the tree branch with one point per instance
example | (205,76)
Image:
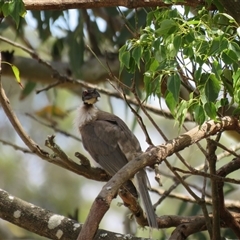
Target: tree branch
(46,223)
(70,4)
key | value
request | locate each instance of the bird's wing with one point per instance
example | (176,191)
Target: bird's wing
(100,138)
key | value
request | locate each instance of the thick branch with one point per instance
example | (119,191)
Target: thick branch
(43,222)
(51,225)
(70,4)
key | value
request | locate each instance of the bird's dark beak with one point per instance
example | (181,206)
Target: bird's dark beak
(90,96)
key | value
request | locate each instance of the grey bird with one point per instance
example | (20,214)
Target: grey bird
(111,144)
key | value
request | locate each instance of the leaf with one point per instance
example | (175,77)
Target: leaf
(197,74)
(236,78)
(212,88)
(154,65)
(16,74)
(182,111)
(15,9)
(171,103)
(229,57)
(173,86)
(218,45)
(147,83)
(210,110)
(168,26)
(29,87)
(125,59)
(217,69)
(137,54)
(177,41)
(227,80)
(199,114)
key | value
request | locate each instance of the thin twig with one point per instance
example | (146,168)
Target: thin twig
(226,149)
(140,121)
(53,126)
(228,152)
(24,150)
(207,175)
(233,205)
(181,180)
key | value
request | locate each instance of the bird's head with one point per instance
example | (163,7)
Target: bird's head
(90,96)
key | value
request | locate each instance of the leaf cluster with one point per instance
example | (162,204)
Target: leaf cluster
(14,9)
(199,53)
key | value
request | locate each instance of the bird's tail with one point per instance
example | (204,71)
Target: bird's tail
(142,186)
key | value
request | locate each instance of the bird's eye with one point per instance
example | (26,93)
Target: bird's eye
(85,92)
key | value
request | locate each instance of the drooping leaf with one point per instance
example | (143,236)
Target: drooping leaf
(28,88)
(125,59)
(16,74)
(210,110)
(212,88)
(199,114)
(173,85)
(171,103)
(137,54)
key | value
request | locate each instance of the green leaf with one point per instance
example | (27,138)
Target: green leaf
(154,65)
(227,80)
(229,57)
(168,26)
(16,74)
(122,50)
(28,88)
(15,9)
(212,88)
(199,114)
(161,54)
(137,54)
(210,110)
(218,45)
(171,103)
(125,59)
(236,78)
(197,74)
(173,86)
(147,83)
(182,111)
(217,69)
(177,42)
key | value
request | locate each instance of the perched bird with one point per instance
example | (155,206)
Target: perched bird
(111,144)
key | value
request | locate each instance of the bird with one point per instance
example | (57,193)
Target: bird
(112,145)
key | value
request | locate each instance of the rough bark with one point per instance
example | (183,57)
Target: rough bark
(70,4)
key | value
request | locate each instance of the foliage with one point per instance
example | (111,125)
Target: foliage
(201,52)
(15,9)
